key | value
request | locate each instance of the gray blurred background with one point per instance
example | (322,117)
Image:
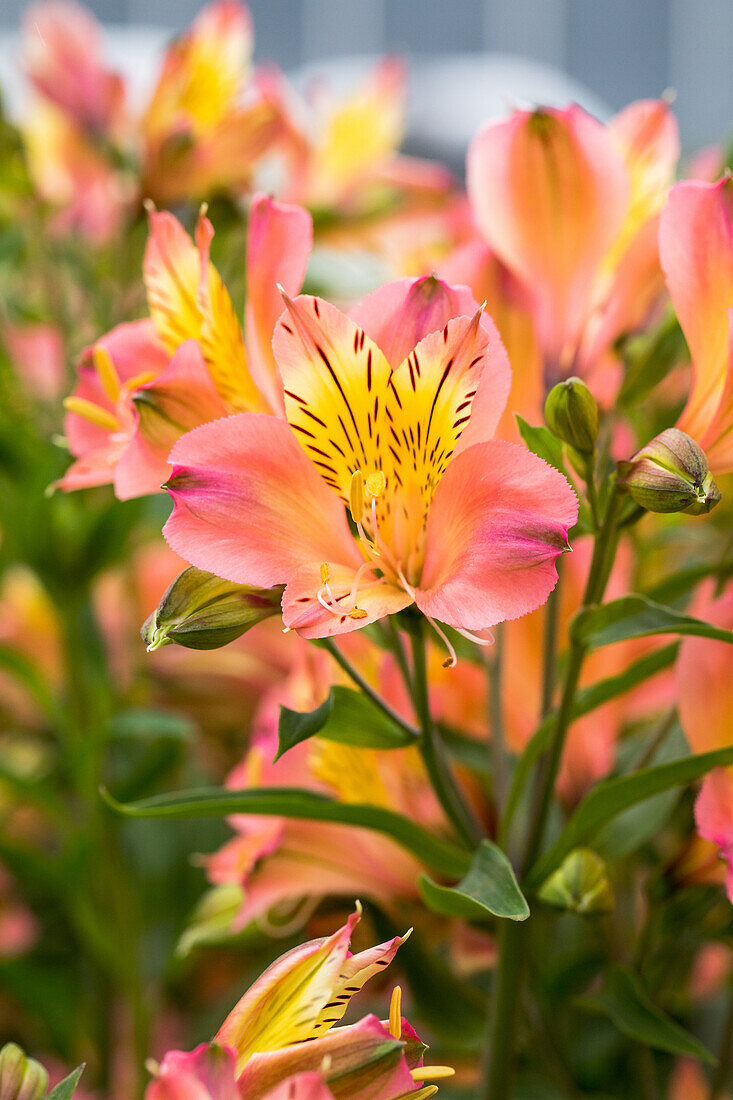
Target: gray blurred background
(463,52)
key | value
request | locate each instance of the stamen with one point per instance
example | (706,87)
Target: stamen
(357,613)
(474,637)
(325,573)
(451,660)
(95,413)
(152,1067)
(356,497)
(395,1013)
(337,611)
(375,484)
(106,372)
(139,380)
(432,1073)
(365,568)
(424,1094)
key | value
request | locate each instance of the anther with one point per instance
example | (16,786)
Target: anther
(395,1013)
(357,613)
(356,497)
(106,372)
(432,1073)
(325,573)
(94,413)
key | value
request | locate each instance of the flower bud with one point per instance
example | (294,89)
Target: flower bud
(201,611)
(572,414)
(670,474)
(579,884)
(21,1078)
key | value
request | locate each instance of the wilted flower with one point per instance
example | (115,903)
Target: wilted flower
(670,474)
(389,415)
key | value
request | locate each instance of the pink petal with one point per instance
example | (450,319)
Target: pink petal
(696,250)
(714,816)
(499,519)
(248,504)
(303,612)
(181,397)
(278,245)
(304,1086)
(37,352)
(549,191)
(206,1073)
(400,314)
(704,682)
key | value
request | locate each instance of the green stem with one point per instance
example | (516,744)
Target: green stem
(725,1058)
(456,809)
(394,641)
(549,657)
(494,664)
(512,944)
(345,664)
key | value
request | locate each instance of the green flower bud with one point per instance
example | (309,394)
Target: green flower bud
(20,1077)
(670,474)
(572,414)
(580,884)
(201,611)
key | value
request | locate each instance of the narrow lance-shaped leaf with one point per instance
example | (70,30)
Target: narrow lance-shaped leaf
(488,889)
(614,795)
(346,716)
(443,856)
(66,1088)
(623,999)
(637,617)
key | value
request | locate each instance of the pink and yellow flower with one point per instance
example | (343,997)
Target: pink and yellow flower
(208,122)
(570,205)
(148,382)
(705,708)
(279,1040)
(390,414)
(696,248)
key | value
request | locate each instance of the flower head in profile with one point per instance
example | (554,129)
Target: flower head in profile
(146,383)
(696,249)
(383,487)
(280,1042)
(571,206)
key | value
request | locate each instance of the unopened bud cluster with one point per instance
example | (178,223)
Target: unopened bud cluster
(21,1078)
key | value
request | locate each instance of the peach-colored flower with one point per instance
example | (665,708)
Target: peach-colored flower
(570,206)
(390,414)
(145,384)
(36,350)
(696,249)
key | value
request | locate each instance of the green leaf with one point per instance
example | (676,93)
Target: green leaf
(151,724)
(650,358)
(586,700)
(541,442)
(580,884)
(615,795)
(624,1000)
(488,889)
(443,856)
(637,617)
(66,1088)
(347,716)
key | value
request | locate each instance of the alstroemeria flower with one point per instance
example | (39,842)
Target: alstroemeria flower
(63,59)
(208,122)
(390,415)
(570,205)
(147,383)
(705,704)
(696,249)
(282,1031)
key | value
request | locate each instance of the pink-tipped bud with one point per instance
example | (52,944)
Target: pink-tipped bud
(21,1078)
(670,474)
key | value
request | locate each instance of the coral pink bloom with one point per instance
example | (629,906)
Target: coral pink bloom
(567,204)
(282,1031)
(62,47)
(199,131)
(390,415)
(132,401)
(705,703)
(696,249)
